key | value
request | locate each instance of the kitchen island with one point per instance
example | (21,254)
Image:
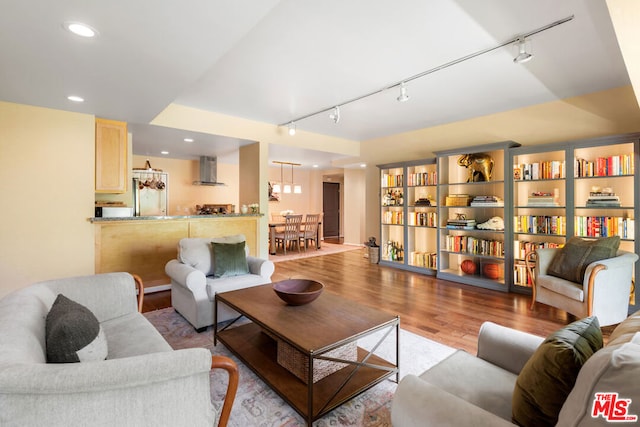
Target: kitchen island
(143,245)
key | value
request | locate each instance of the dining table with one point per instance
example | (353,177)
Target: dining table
(272,235)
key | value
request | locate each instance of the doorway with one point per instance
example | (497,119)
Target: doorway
(331,209)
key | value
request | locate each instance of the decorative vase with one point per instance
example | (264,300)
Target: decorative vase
(244,209)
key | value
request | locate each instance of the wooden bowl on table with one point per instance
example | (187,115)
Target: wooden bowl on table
(298,291)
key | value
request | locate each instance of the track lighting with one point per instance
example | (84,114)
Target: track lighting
(335,116)
(403,93)
(523,56)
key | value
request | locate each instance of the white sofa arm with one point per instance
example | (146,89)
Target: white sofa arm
(622,261)
(505,347)
(185,275)
(417,403)
(262,267)
(165,388)
(107,295)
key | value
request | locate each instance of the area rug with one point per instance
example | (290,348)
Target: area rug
(257,405)
(325,249)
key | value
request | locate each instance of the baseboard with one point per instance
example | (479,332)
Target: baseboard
(159,288)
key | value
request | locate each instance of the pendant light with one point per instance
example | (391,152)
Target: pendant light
(277,186)
(286,187)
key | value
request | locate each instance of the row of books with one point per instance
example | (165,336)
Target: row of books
(605,226)
(426,219)
(552,169)
(424,259)
(422,178)
(520,275)
(389,180)
(605,166)
(393,217)
(487,201)
(473,245)
(521,248)
(540,224)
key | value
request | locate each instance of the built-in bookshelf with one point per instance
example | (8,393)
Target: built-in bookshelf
(409,215)
(539,204)
(471,215)
(436,213)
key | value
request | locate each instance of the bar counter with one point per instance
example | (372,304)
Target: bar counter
(143,245)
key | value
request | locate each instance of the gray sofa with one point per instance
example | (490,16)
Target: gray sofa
(142,382)
(194,286)
(466,390)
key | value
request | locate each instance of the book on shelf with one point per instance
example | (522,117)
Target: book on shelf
(487,201)
(603,199)
(461,221)
(461,227)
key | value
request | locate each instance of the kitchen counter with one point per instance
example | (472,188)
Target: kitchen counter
(143,245)
(148,218)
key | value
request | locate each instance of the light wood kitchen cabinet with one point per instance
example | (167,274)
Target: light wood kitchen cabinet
(111,156)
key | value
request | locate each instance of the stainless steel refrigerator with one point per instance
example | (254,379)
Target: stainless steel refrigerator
(150,193)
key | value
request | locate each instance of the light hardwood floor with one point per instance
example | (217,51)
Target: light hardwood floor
(443,311)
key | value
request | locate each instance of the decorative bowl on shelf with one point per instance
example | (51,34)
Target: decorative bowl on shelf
(298,291)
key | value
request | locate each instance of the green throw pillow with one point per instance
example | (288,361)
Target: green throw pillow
(229,259)
(570,263)
(550,374)
(73,333)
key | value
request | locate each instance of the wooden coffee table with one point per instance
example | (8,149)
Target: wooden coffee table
(318,331)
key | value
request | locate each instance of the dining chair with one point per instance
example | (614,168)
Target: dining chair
(291,233)
(310,230)
(278,219)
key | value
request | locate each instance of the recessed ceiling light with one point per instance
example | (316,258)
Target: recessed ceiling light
(80,29)
(188,140)
(75,98)
(363,165)
(315,166)
(164,152)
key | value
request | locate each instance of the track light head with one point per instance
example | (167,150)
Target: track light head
(335,115)
(403,93)
(523,55)
(292,128)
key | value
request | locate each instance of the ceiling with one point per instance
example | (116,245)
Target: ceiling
(274,61)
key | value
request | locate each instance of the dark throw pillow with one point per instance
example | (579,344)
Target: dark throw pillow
(73,333)
(550,374)
(229,259)
(572,260)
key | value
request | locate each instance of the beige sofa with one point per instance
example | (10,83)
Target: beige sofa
(194,286)
(466,390)
(142,381)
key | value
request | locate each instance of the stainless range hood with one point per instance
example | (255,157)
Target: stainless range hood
(208,171)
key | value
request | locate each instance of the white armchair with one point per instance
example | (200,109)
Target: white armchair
(604,291)
(194,284)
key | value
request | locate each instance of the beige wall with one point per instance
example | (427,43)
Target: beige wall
(355,214)
(253,173)
(309,201)
(183,195)
(47,165)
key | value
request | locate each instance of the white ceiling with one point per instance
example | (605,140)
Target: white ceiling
(274,61)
